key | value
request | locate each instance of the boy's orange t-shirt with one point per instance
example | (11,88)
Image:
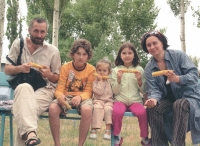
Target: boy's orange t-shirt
(73,82)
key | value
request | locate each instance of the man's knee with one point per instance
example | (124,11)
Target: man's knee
(24,86)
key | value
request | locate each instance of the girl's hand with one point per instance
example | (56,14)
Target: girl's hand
(76,100)
(138,76)
(119,76)
(150,103)
(99,78)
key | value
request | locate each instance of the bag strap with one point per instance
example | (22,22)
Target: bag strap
(20,54)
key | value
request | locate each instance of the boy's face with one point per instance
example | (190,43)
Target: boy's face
(80,57)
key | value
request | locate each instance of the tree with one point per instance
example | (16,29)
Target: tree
(107,24)
(179,8)
(55,23)
(45,9)
(90,20)
(2,20)
(100,22)
(195,60)
(13,29)
(135,18)
(197,14)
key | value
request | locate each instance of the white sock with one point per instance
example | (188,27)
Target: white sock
(117,139)
(145,140)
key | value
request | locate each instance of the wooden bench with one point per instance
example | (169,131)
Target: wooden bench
(5,112)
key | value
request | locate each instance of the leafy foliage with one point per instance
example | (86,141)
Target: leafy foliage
(135,18)
(175,6)
(105,23)
(13,30)
(195,60)
(44,9)
(197,14)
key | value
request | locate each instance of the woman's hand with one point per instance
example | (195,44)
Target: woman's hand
(172,77)
(150,103)
(76,100)
(119,76)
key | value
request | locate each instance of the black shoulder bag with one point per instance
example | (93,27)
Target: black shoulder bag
(33,78)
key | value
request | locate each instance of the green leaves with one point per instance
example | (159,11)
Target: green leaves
(175,6)
(105,23)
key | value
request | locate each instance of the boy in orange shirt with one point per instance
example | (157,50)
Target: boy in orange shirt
(75,86)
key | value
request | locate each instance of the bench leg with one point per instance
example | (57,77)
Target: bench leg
(112,138)
(11,130)
(3,117)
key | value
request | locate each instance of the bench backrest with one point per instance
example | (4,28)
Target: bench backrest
(4,83)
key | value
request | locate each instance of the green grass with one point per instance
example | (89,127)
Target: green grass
(69,133)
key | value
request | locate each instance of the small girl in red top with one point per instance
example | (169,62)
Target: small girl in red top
(102,100)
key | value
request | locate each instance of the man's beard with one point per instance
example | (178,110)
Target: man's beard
(36,40)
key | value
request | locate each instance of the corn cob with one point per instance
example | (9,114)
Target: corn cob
(66,104)
(103,77)
(159,73)
(129,71)
(36,65)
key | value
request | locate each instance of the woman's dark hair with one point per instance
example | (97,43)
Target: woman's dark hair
(157,34)
(81,43)
(119,61)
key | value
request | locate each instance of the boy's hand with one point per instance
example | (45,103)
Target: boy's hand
(76,100)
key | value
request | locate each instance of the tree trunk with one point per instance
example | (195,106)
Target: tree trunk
(55,23)
(182,18)
(2,19)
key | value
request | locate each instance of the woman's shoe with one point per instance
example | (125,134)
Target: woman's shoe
(107,136)
(93,134)
(148,144)
(120,143)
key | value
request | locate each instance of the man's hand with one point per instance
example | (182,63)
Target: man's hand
(150,103)
(25,68)
(45,72)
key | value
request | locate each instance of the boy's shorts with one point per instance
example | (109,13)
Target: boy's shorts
(68,99)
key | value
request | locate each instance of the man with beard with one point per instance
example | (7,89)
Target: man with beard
(29,104)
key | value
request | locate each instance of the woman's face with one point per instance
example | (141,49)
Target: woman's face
(80,57)
(154,46)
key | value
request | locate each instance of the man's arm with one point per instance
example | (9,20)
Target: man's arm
(46,73)
(13,70)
